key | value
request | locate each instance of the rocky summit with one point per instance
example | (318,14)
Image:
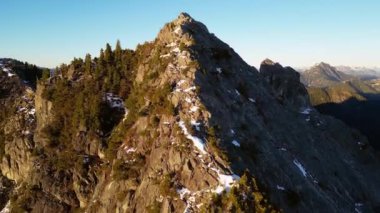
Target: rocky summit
(180,124)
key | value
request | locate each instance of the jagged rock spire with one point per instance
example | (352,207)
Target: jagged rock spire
(285,82)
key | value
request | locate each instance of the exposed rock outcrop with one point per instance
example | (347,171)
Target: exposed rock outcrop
(286,83)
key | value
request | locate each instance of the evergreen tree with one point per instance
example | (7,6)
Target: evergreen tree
(101,56)
(124,88)
(99,65)
(115,81)
(45,74)
(108,54)
(87,64)
(79,114)
(118,52)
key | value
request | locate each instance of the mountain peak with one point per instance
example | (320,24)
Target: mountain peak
(323,74)
(267,61)
(183,28)
(184,17)
(323,65)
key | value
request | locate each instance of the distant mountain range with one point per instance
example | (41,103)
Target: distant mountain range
(364,73)
(323,75)
(313,74)
(349,94)
(329,84)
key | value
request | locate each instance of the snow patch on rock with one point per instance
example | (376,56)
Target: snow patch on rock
(306,111)
(177,30)
(235,143)
(6,209)
(225,181)
(300,167)
(196,141)
(194,108)
(190,89)
(182,192)
(196,124)
(129,149)
(114,101)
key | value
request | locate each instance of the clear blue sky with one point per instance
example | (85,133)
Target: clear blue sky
(292,32)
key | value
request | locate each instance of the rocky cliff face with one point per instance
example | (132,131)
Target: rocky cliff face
(285,83)
(17,120)
(202,131)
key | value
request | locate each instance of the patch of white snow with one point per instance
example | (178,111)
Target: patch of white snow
(227,181)
(190,89)
(129,150)
(300,167)
(194,109)
(125,114)
(180,82)
(235,143)
(173,44)
(32,111)
(196,124)
(6,209)
(114,101)
(182,192)
(177,30)
(306,111)
(22,109)
(176,50)
(197,141)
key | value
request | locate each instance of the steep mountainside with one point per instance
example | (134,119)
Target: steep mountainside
(183,124)
(341,92)
(323,75)
(353,101)
(17,121)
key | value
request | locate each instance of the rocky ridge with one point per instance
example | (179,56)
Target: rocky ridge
(205,132)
